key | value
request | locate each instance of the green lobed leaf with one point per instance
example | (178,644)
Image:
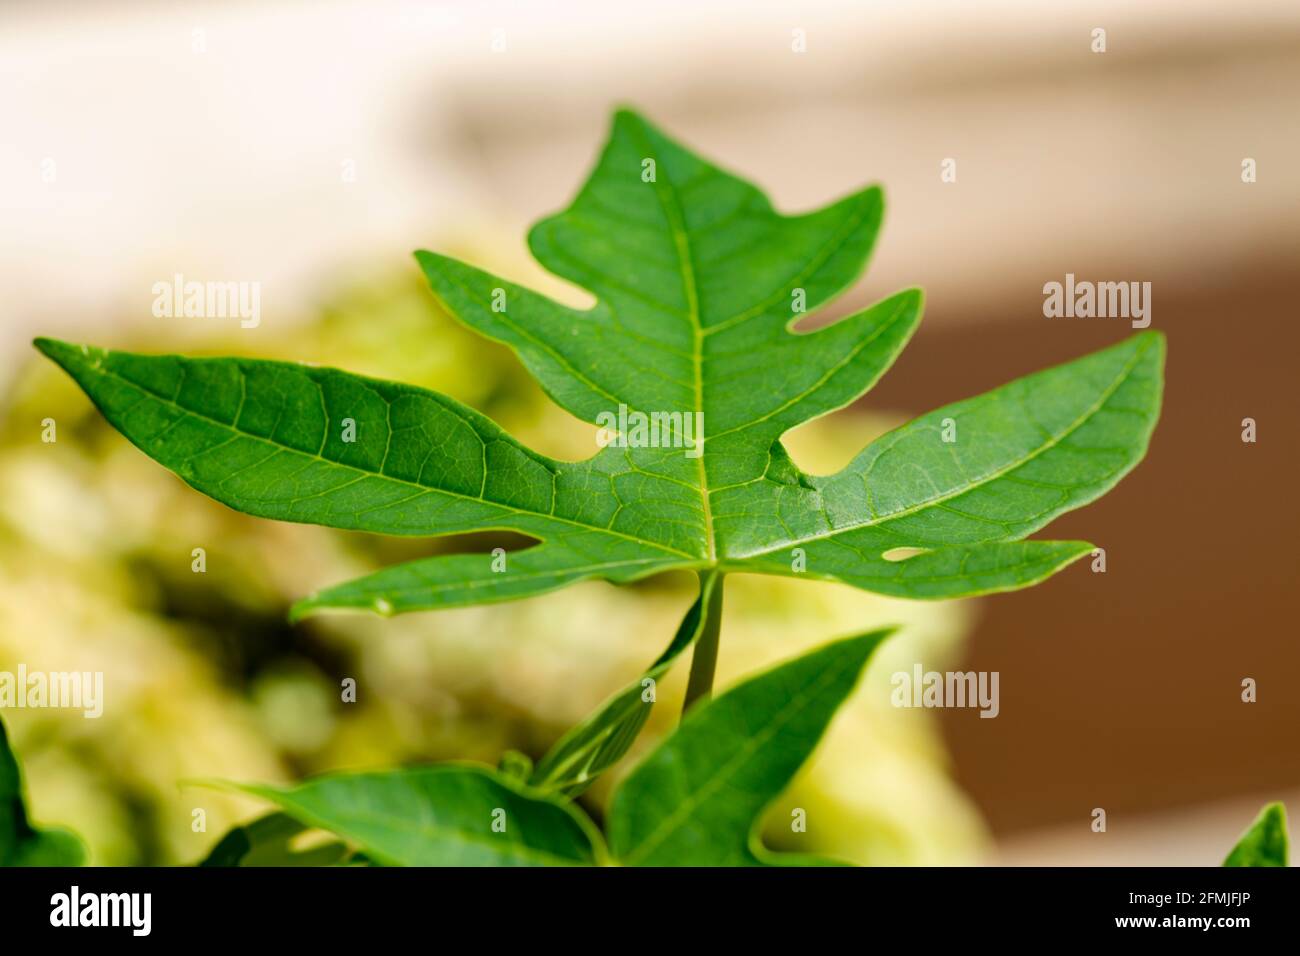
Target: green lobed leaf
(441,816)
(596,744)
(697,799)
(266,438)
(1265,842)
(1024,453)
(21,844)
(699,284)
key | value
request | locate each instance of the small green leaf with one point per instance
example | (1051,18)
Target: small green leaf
(21,844)
(1265,843)
(596,744)
(698,798)
(266,842)
(445,815)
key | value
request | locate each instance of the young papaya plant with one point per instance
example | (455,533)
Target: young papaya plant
(694,364)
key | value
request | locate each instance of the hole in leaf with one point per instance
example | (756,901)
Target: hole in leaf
(902,554)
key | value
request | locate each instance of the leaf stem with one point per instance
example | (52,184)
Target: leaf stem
(704,659)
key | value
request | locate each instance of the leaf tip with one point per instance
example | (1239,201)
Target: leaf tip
(211,783)
(1149,344)
(52,348)
(915,298)
(1152,338)
(627,113)
(1265,842)
(68,354)
(862,646)
(1273,815)
(302,609)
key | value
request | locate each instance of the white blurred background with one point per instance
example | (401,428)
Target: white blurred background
(213,138)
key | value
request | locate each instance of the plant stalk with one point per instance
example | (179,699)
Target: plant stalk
(704,659)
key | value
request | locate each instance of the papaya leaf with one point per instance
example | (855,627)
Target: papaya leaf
(443,815)
(21,844)
(691,364)
(698,798)
(1265,842)
(596,744)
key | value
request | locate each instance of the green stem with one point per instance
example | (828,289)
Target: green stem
(704,659)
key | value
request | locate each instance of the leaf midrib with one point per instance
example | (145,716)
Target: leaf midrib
(671,205)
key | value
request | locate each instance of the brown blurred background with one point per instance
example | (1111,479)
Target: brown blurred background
(209,139)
